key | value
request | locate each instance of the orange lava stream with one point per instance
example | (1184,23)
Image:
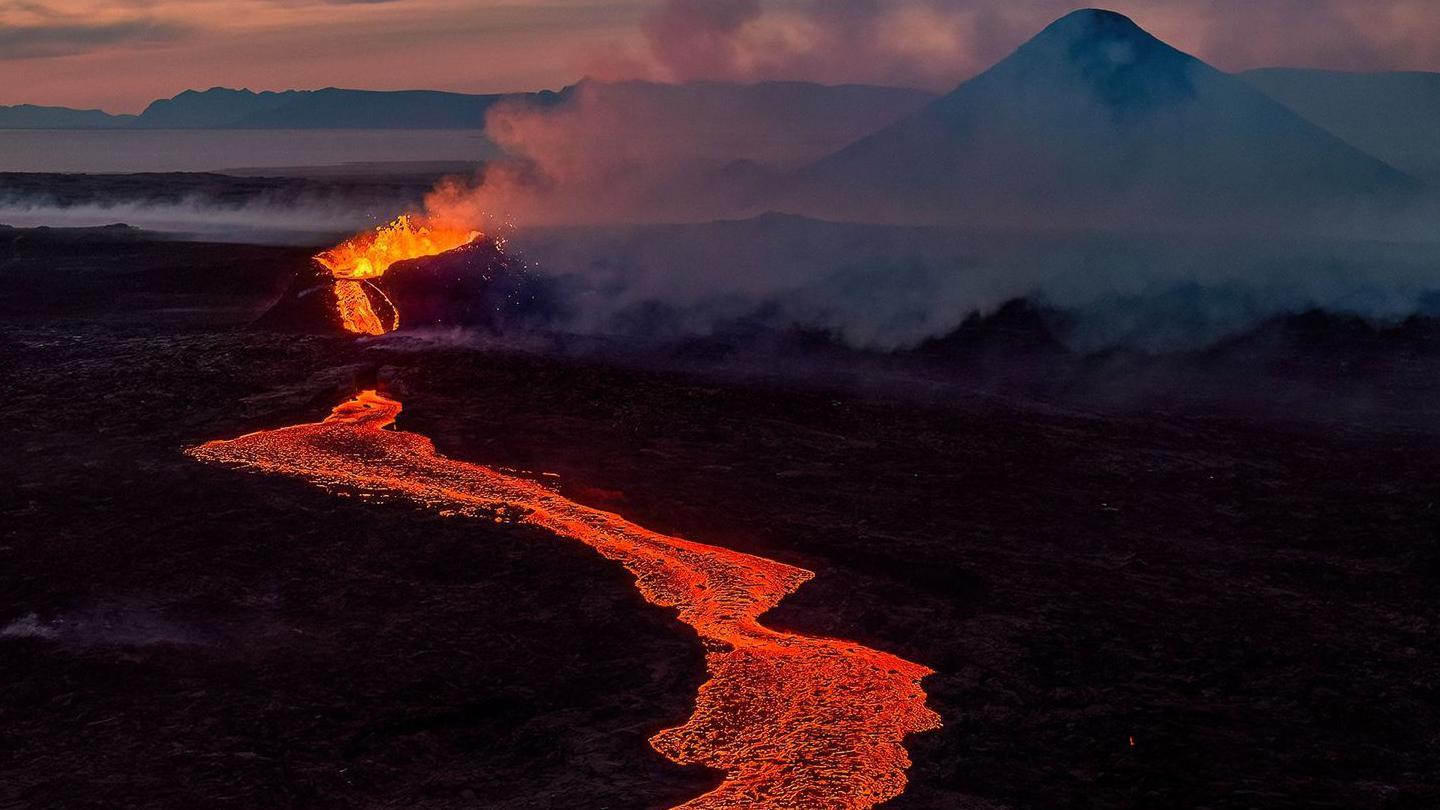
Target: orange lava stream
(356,312)
(793,721)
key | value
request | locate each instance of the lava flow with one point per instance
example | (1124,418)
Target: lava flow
(793,721)
(357,314)
(368,255)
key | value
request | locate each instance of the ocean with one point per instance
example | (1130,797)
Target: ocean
(232,150)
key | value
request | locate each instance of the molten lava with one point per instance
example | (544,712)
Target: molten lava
(368,255)
(357,314)
(793,721)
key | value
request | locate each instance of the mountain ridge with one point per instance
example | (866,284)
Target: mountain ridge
(39,116)
(343,108)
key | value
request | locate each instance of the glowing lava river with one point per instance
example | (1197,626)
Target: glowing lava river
(793,721)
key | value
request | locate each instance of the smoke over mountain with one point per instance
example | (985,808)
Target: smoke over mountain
(1097,169)
(1095,121)
(1092,119)
(937,43)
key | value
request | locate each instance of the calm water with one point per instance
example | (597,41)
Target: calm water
(224,149)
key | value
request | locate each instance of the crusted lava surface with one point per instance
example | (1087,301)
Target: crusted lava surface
(1124,607)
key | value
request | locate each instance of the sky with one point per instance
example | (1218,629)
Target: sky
(118,55)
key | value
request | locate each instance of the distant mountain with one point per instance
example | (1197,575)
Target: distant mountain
(366,109)
(330,108)
(216,107)
(1093,120)
(1394,116)
(30,116)
(824,117)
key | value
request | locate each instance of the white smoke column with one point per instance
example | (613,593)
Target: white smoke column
(633,151)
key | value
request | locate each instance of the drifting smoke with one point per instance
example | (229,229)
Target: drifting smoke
(918,43)
(637,151)
(591,158)
(108,625)
(884,287)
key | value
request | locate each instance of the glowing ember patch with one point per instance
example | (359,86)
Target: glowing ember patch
(795,722)
(370,254)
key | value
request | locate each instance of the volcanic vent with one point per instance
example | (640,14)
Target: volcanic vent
(408,274)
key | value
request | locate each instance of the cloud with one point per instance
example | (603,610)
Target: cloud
(31,30)
(1335,34)
(905,42)
(37,41)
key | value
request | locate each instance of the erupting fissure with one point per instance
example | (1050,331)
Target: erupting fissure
(368,255)
(794,721)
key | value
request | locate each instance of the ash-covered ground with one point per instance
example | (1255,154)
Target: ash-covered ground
(1150,600)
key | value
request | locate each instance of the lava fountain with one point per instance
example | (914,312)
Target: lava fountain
(366,256)
(795,722)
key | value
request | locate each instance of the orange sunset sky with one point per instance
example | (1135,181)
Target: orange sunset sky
(121,54)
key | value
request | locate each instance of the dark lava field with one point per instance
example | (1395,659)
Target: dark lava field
(1130,604)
